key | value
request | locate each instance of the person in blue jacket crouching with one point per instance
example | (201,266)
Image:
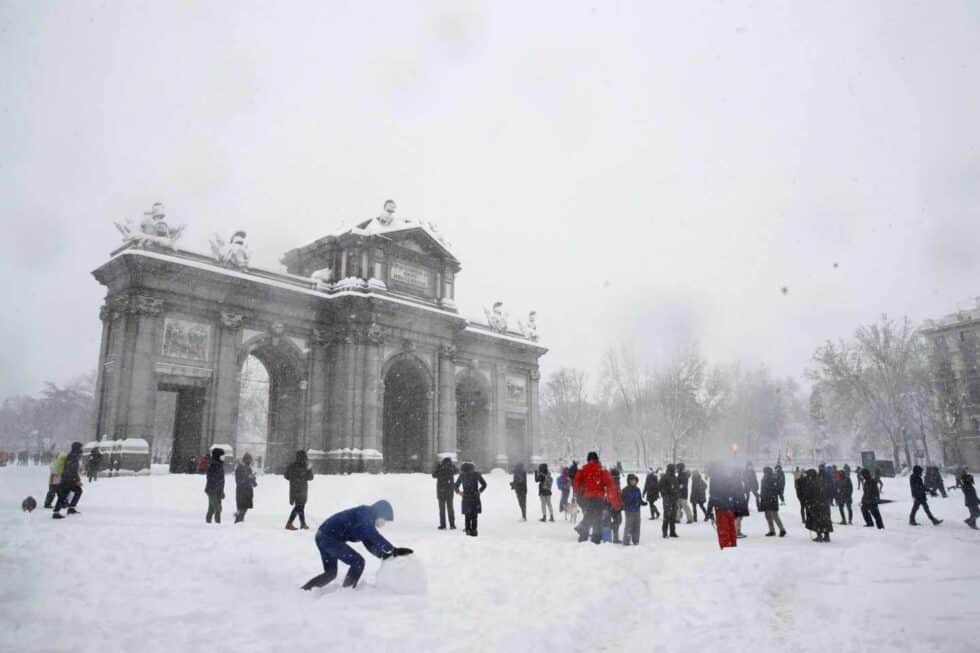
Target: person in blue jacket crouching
(358,524)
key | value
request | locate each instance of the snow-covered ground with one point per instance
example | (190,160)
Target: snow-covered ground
(139,570)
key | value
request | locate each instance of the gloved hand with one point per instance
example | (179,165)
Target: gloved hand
(398,551)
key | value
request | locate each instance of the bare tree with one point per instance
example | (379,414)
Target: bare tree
(567,413)
(880,372)
(685,399)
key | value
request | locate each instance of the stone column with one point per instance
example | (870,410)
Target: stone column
(337,394)
(102,373)
(534,422)
(226,382)
(371,430)
(142,378)
(500,416)
(318,391)
(447,403)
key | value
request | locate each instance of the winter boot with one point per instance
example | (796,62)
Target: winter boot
(290,527)
(770,533)
(441,528)
(72,511)
(304,527)
(913,523)
(552,518)
(935,522)
(782,533)
(57,515)
(542,519)
(238,517)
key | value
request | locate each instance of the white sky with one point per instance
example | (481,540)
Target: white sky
(638,173)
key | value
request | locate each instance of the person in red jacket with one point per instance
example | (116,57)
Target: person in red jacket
(595,486)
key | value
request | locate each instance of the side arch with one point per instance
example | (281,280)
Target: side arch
(286,367)
(406,436)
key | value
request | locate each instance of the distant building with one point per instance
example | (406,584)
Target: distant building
(955,350)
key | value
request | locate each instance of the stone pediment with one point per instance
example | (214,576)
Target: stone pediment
(419,241)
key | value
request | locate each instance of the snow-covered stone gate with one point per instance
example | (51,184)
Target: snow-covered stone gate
(370,365)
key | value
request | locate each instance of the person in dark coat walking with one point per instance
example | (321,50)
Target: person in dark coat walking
(358,524)
(699,490)
(214,486)
(828,484)
(470,485)
(845,493)
(799,483)
(818,517)
(751,483)
(918,487)
(519,486)
(870,497)
(94,463)
(651,492)
(934,481)
(965,481)
(245,484)
(632,501)
(572,471)
(683,483)
(543,478)
(445,475)
(564,485)
(740,498)
(70,482)
(299,474)
(781,483)
(670,491)
(769,501)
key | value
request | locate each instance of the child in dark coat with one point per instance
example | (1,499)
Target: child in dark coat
(470,485)
(632,501)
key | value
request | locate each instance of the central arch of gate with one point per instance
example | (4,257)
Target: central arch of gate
(370,366)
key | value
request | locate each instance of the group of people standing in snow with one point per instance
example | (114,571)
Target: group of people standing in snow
(606,505)
(299,473)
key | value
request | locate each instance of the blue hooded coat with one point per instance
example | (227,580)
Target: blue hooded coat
(357,525)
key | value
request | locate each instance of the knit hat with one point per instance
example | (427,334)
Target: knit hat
(217,453)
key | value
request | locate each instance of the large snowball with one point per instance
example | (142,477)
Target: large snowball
(404,575)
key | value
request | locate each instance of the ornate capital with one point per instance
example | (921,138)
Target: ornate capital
(232,320)
(320,336)
(535,375)
(447,351)
(105,313)
(408,345)
(375,334)
(146,305)
(277,329)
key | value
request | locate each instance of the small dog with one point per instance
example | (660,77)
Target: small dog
(571,511)
(28,504)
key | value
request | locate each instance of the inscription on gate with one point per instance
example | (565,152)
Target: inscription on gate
(410,275)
